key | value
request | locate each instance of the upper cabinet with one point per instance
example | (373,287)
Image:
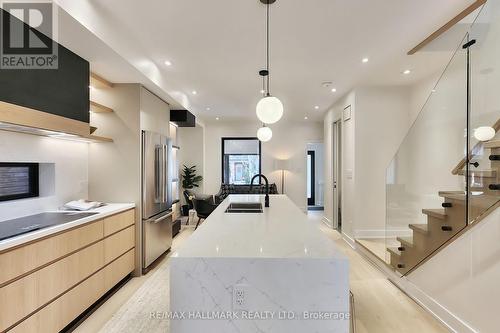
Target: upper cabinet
(63,91)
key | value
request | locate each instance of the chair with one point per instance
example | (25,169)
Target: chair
(204,206)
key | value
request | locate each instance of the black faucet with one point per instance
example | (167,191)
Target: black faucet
(266,200)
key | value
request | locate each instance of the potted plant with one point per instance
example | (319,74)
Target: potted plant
(190,180)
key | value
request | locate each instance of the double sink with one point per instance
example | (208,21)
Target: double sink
(244,207)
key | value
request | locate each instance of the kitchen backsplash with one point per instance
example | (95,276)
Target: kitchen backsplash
(63,171)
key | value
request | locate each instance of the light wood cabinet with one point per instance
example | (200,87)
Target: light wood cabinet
(117,244)
(29,257)
(56,315)
(118,222)
(50,282)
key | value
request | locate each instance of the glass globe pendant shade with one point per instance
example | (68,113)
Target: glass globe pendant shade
(264,134)
(484,133)
(269,110)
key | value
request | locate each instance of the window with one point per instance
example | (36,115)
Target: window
(18,180)
(241,160)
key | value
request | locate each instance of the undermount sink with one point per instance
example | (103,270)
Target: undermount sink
(244,207)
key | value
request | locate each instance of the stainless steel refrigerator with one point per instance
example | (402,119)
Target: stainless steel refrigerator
(157,170)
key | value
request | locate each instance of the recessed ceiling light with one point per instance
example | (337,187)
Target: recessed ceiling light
(334,89)
(168,63)
(364,60)
(208,109)
(194,92)
(216,118)
(316,107)
(262,91)
(406,71)
(305,118)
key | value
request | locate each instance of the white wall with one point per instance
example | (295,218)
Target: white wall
(115,168)
(347,137)
(370,138)
(463,278)
(192,152)
(381,123)
(283,145)
(69,176)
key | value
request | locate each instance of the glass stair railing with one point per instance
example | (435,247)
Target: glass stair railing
(430,198)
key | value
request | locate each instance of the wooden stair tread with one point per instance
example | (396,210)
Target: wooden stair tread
(394,250)
(406,240)
(422,228)
(457,195)
(492,144)
(437,213)
(480,173)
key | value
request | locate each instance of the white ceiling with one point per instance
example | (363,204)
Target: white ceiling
(217,48)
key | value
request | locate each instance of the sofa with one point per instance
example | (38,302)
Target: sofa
(227,189)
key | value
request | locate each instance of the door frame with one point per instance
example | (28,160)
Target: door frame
(312,200)
(337,174)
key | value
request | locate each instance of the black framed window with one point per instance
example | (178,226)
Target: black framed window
(18,180)
(241,160)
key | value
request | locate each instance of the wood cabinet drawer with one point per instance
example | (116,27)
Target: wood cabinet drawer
(118,269)
(119,243)
(118,222)
(56,315)
(24,259)
(21,297)
(63,310)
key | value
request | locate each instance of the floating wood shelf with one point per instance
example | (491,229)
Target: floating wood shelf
(96,138)
(15,118)
(23,116)
(97,81)
(99,108)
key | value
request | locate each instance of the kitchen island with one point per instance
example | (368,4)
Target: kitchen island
(259,272)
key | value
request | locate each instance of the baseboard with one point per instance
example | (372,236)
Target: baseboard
(327,221)
(438,311)
(350,241)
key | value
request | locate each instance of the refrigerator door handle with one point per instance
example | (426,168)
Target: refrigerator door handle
(161,218)
(158,174)
(165,176)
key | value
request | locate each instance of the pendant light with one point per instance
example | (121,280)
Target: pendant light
(264,133)
(484,133)
(269,109)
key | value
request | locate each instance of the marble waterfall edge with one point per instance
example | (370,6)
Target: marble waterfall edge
(270,272)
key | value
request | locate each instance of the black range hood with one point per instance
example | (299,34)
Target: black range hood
(183,118)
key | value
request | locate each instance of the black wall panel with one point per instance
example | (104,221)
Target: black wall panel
(63,91)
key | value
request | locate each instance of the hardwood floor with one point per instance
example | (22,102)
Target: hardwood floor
(380,306)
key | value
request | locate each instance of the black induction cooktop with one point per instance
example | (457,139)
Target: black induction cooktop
(23,225)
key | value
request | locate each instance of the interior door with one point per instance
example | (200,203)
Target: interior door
(311,178)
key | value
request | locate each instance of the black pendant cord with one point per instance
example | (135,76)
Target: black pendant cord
(267,46)
(263,86)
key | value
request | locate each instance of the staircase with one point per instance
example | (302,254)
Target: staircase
(444,224)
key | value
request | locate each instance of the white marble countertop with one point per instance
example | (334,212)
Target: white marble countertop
(102,212)
(281,231)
